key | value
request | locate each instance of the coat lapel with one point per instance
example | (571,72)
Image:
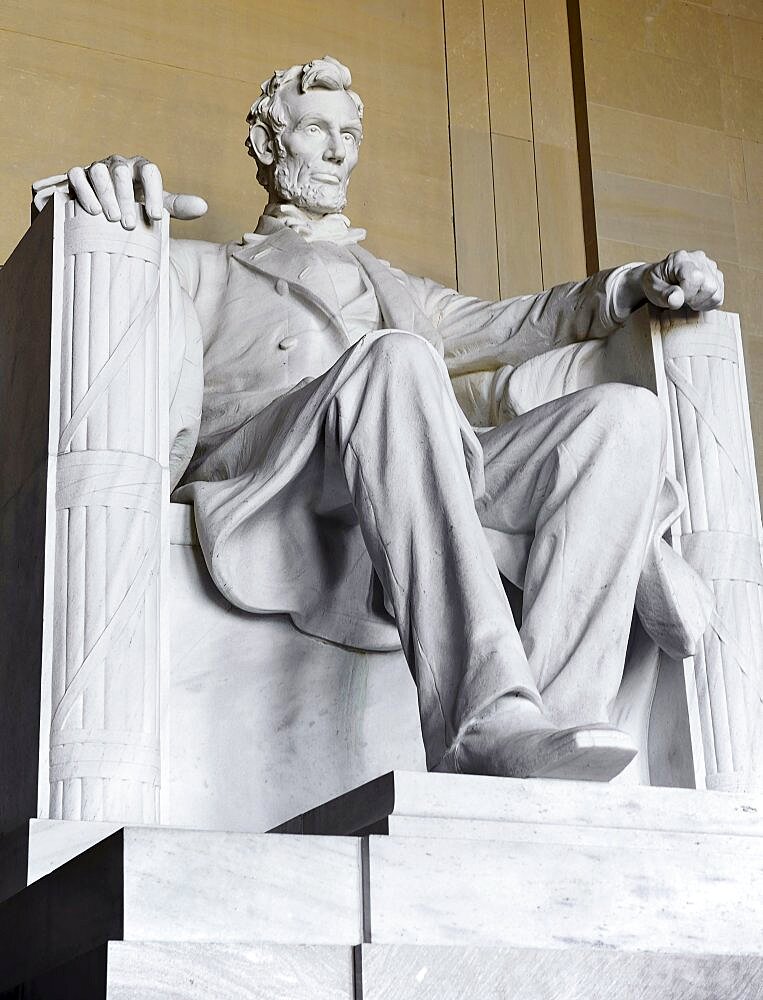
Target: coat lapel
(285,256)
(398,308)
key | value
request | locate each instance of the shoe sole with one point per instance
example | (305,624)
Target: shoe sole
(585,755)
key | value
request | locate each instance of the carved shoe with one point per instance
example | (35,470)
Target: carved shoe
(522,743)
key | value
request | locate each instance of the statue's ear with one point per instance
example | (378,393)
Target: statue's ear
(262,143)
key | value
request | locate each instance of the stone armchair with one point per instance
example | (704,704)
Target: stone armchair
(131,692)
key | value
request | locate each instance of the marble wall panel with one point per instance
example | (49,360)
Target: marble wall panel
(746,43)
(470,149)
(644,212)
(629,78)
(638,145)
(753,169)
(548,47)
(507,68)
(739,8)
(672,28)
(560,214)
(516,213)
(743,107)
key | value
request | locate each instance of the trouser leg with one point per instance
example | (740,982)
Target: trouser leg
(580,477)
(395,428)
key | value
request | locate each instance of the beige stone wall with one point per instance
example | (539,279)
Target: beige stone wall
(675,109)
(516,193)
(175,79)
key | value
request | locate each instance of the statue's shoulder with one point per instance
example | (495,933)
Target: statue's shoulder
(199,262)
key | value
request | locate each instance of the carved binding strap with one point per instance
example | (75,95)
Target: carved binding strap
(720,535)
(111,477)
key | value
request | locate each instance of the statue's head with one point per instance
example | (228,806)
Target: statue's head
(304,132)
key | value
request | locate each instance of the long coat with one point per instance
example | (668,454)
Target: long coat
(265,314)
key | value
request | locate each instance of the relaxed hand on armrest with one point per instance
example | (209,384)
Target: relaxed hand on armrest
(116,184)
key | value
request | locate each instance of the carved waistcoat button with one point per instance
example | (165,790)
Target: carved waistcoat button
(287,343)
(282,287)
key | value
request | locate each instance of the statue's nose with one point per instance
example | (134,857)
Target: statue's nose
(335,150)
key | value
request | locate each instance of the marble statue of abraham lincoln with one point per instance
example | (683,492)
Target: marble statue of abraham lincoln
(357,458)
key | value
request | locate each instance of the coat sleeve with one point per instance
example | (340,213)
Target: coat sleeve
(481,336)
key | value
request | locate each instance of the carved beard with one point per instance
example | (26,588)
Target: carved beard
(313,196)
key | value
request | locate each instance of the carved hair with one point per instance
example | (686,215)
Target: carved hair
(322,74)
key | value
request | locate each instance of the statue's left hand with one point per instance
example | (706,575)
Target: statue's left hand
(684,278)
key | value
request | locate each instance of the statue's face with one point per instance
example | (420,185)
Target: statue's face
(317,150)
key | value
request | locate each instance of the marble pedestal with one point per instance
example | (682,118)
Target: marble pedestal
(481,887)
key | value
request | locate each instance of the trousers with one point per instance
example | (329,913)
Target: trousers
(573,484)
(396,486)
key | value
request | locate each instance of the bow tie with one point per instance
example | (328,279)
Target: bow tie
(334,228)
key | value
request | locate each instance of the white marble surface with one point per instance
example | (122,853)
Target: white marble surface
(697,900)
(304,719)
(408,972)
(458,805)
(243,971)
(198,886)
(148,883)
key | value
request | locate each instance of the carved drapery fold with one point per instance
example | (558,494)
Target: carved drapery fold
(111,481)
(720,535)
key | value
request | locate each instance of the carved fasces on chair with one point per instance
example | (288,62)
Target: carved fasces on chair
(111,478)
(720,535)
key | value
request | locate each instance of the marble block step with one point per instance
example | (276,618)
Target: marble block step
(153,883)
(442,805)
(137,970)
(408,972)
(160,970)
(705,898)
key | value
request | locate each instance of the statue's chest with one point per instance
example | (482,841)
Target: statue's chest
(330,298)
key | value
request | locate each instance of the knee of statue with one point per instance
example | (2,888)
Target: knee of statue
(396,350)
(631,417)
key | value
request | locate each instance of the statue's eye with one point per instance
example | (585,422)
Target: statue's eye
(313,130)
(348,137)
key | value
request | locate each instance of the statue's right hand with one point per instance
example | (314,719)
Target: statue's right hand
(118,184)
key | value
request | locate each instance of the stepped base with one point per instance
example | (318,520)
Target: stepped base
(149,883)
(406,972)
(155,970)
(130,970)
(410,803)
(479,887)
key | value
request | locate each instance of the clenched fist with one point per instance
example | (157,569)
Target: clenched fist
(684,278)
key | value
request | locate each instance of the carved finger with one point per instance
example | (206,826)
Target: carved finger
(691,276)
(184,206)
(151,179)
(103,186)
(661,292)
(706,297)
(675,297)
(121,175)
(82,191)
